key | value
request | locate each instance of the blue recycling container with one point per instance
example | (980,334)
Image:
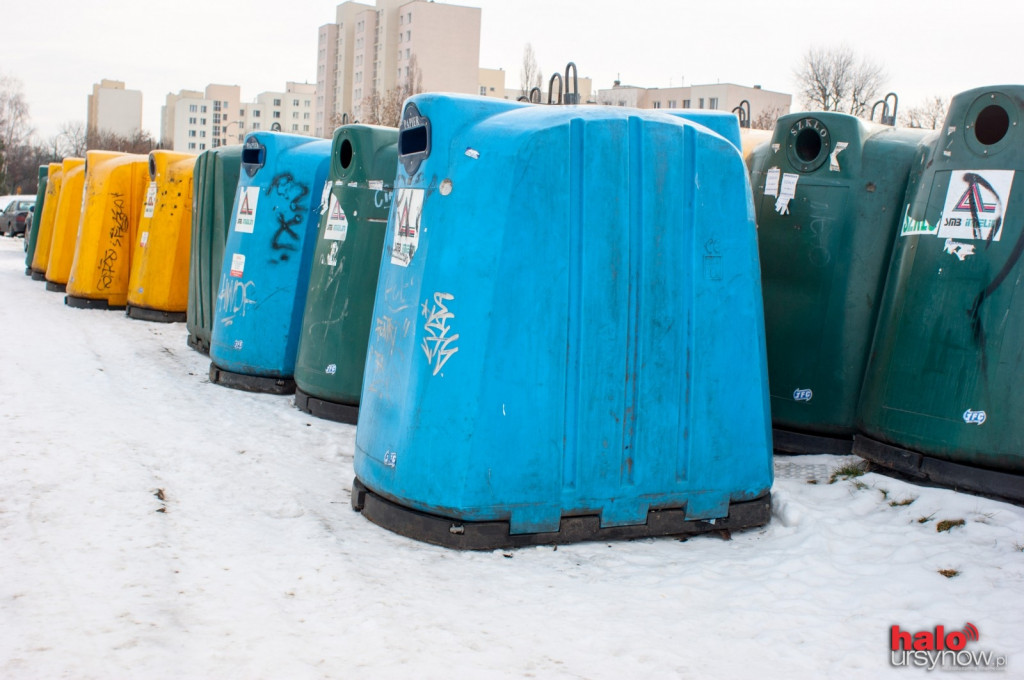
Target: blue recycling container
(568,339)
(725,124)
(265,273)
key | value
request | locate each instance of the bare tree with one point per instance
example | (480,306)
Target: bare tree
(833,79)
(71,140)
(766,119)
(929,115)
(139,141)
(530,75)
(385,108)
(15,129)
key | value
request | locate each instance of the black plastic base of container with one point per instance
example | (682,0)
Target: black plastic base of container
(957,476)
(328,410)
(57,287)
(158,315)
(28,271)
(198,344)
(89,303)
(250,383)
(38,276)
(460,535)
(786,441)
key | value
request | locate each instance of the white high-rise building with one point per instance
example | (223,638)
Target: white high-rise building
(112,108)
(394,43)
(196,121)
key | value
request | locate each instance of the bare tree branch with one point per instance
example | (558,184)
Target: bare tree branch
(833,79)
(929,115)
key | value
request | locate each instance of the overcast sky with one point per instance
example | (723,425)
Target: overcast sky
(59,48)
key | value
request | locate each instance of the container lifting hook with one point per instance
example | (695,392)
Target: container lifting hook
(551,88)
(571,96)
(743,112)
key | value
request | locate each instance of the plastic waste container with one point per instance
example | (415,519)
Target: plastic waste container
(158,285)
(725,124)
(69,215)
(568,338)
(265,272)
(343,279)
(941,398)
(33,234)
(215,179)
(44,227)
(827,191)
(114,194)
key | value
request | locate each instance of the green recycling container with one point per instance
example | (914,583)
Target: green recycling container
(941,399)
(33,234)
(215,179)
(343,281)
(827,190)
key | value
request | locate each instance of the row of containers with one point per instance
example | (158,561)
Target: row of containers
(561,323)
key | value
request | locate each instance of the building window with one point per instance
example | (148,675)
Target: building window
(256,113)
(216,130)
(295,128)
(202,133)
(192,108)
(202,146)
(408,18)
(202,121)
(686,103)
(277,102)
(407,53)
(657,105)
(408,36)
(671,103)
(191,145)
(202,109)
(295,102)
(713,103)
(255,126)
(277,114)
(216,106)
(216,117)
(700,103)
(241,112)
(305,116)
(359,27)
(192,120)
(305,128)
(191,133)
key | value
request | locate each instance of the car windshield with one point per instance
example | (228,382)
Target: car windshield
(25,205)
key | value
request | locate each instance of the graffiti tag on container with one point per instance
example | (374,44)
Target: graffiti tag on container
(975,417)
(106,267)
(120,221)
(286,239)
(438,344)
(802,395)
(234,298)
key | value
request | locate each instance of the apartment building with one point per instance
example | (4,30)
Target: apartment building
(375,48)
(113,108)
(719,96)
(493,83)
(195,121)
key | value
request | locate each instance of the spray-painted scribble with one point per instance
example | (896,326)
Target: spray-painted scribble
(286,240)
(106,267)
(234,298)
(437,345)
(119,218)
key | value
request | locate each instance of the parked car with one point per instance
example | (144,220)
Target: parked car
(12,219)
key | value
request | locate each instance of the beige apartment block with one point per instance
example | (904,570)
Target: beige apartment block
(394,43)
(493,83)
(764,104)
(112,108)
(195,121)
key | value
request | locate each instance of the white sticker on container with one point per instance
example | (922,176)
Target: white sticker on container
(775,148)
(408,212)
(144,239)
(975,417)
(375,184)
(771,182)
(324,196)
(833,158)
(787,192)
(150,200)
(237,265)
(337,222)
(961,250)
(803,394)
(245,220)
(975,204)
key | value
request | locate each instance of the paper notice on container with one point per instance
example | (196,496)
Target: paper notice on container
(337,222)
(408,211)
(150,200)
(787,192)
(237,265)
(771,182)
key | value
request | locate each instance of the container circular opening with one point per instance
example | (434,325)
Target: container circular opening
(345,154)
(992,124)
(152,167)
(808,145)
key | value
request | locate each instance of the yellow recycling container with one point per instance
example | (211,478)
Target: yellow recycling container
(45,223)
(158,286)
(751,139)
(65,225)
(114,194)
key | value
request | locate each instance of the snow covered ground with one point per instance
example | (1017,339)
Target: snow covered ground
(253,565)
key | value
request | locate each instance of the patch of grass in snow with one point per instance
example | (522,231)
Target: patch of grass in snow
(848,471)
(947,524)
(885,494)
(1019,547)
(949,573)
(905,501)
(925,520)
(859,485)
